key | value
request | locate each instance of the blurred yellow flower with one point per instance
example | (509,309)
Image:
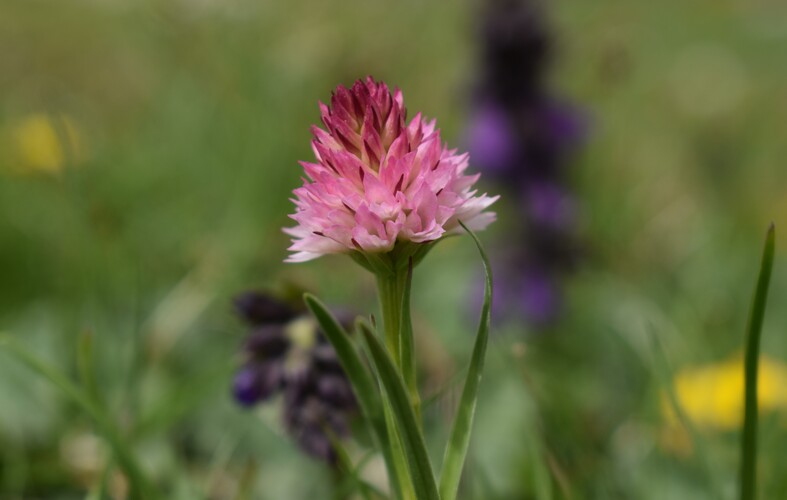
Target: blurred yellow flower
(45,143)
(712,396)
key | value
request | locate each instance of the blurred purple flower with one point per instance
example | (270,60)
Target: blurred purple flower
(549,205)
(523,136)
(314,401)
(262,309)
(257,382)
(287,354)
(567,127)
(491,141)
(539,296)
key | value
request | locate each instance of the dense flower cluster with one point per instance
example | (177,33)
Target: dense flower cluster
(378,179)
(522,136)
(287,355)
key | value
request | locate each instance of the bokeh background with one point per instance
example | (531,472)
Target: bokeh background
(147,154)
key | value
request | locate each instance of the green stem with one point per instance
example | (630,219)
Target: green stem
(749,441)
(394,292)
(407,344)
(390,289)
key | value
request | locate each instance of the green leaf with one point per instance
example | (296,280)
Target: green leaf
(348,356)
(418,462)
(459,441)
(749,437)
(140,487)
(398,455)
(365,389)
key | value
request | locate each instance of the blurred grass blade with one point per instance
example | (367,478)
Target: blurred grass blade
(407,347)
(248,481)
(458,442)
(749,438)
(664,372)
(85,365)
(101,490)
(140,488)
(420,467)
(185,398)
(363,385)
(351,472)
(219,462)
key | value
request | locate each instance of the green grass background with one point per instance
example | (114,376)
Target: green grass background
(194,114)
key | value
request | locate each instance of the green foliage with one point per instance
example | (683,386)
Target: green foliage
(364,386)
(749,435)
(456,450)
(397,399)
(139,485)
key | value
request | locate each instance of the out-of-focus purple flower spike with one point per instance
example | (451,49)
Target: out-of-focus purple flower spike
(549,205)
(524,136)
(286,354)
(491,140)
(257,382)
(539,297)
(566,125)
(258,308)
(267,342)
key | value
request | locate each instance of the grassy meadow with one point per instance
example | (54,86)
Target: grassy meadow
(148,153)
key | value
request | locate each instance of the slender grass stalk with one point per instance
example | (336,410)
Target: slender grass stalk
(748,483)
(459,440)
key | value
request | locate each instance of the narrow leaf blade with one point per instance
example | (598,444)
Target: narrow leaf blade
(749,436)
(359,376)
(397,453)
(459,441)
(363,385)
(418,462)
